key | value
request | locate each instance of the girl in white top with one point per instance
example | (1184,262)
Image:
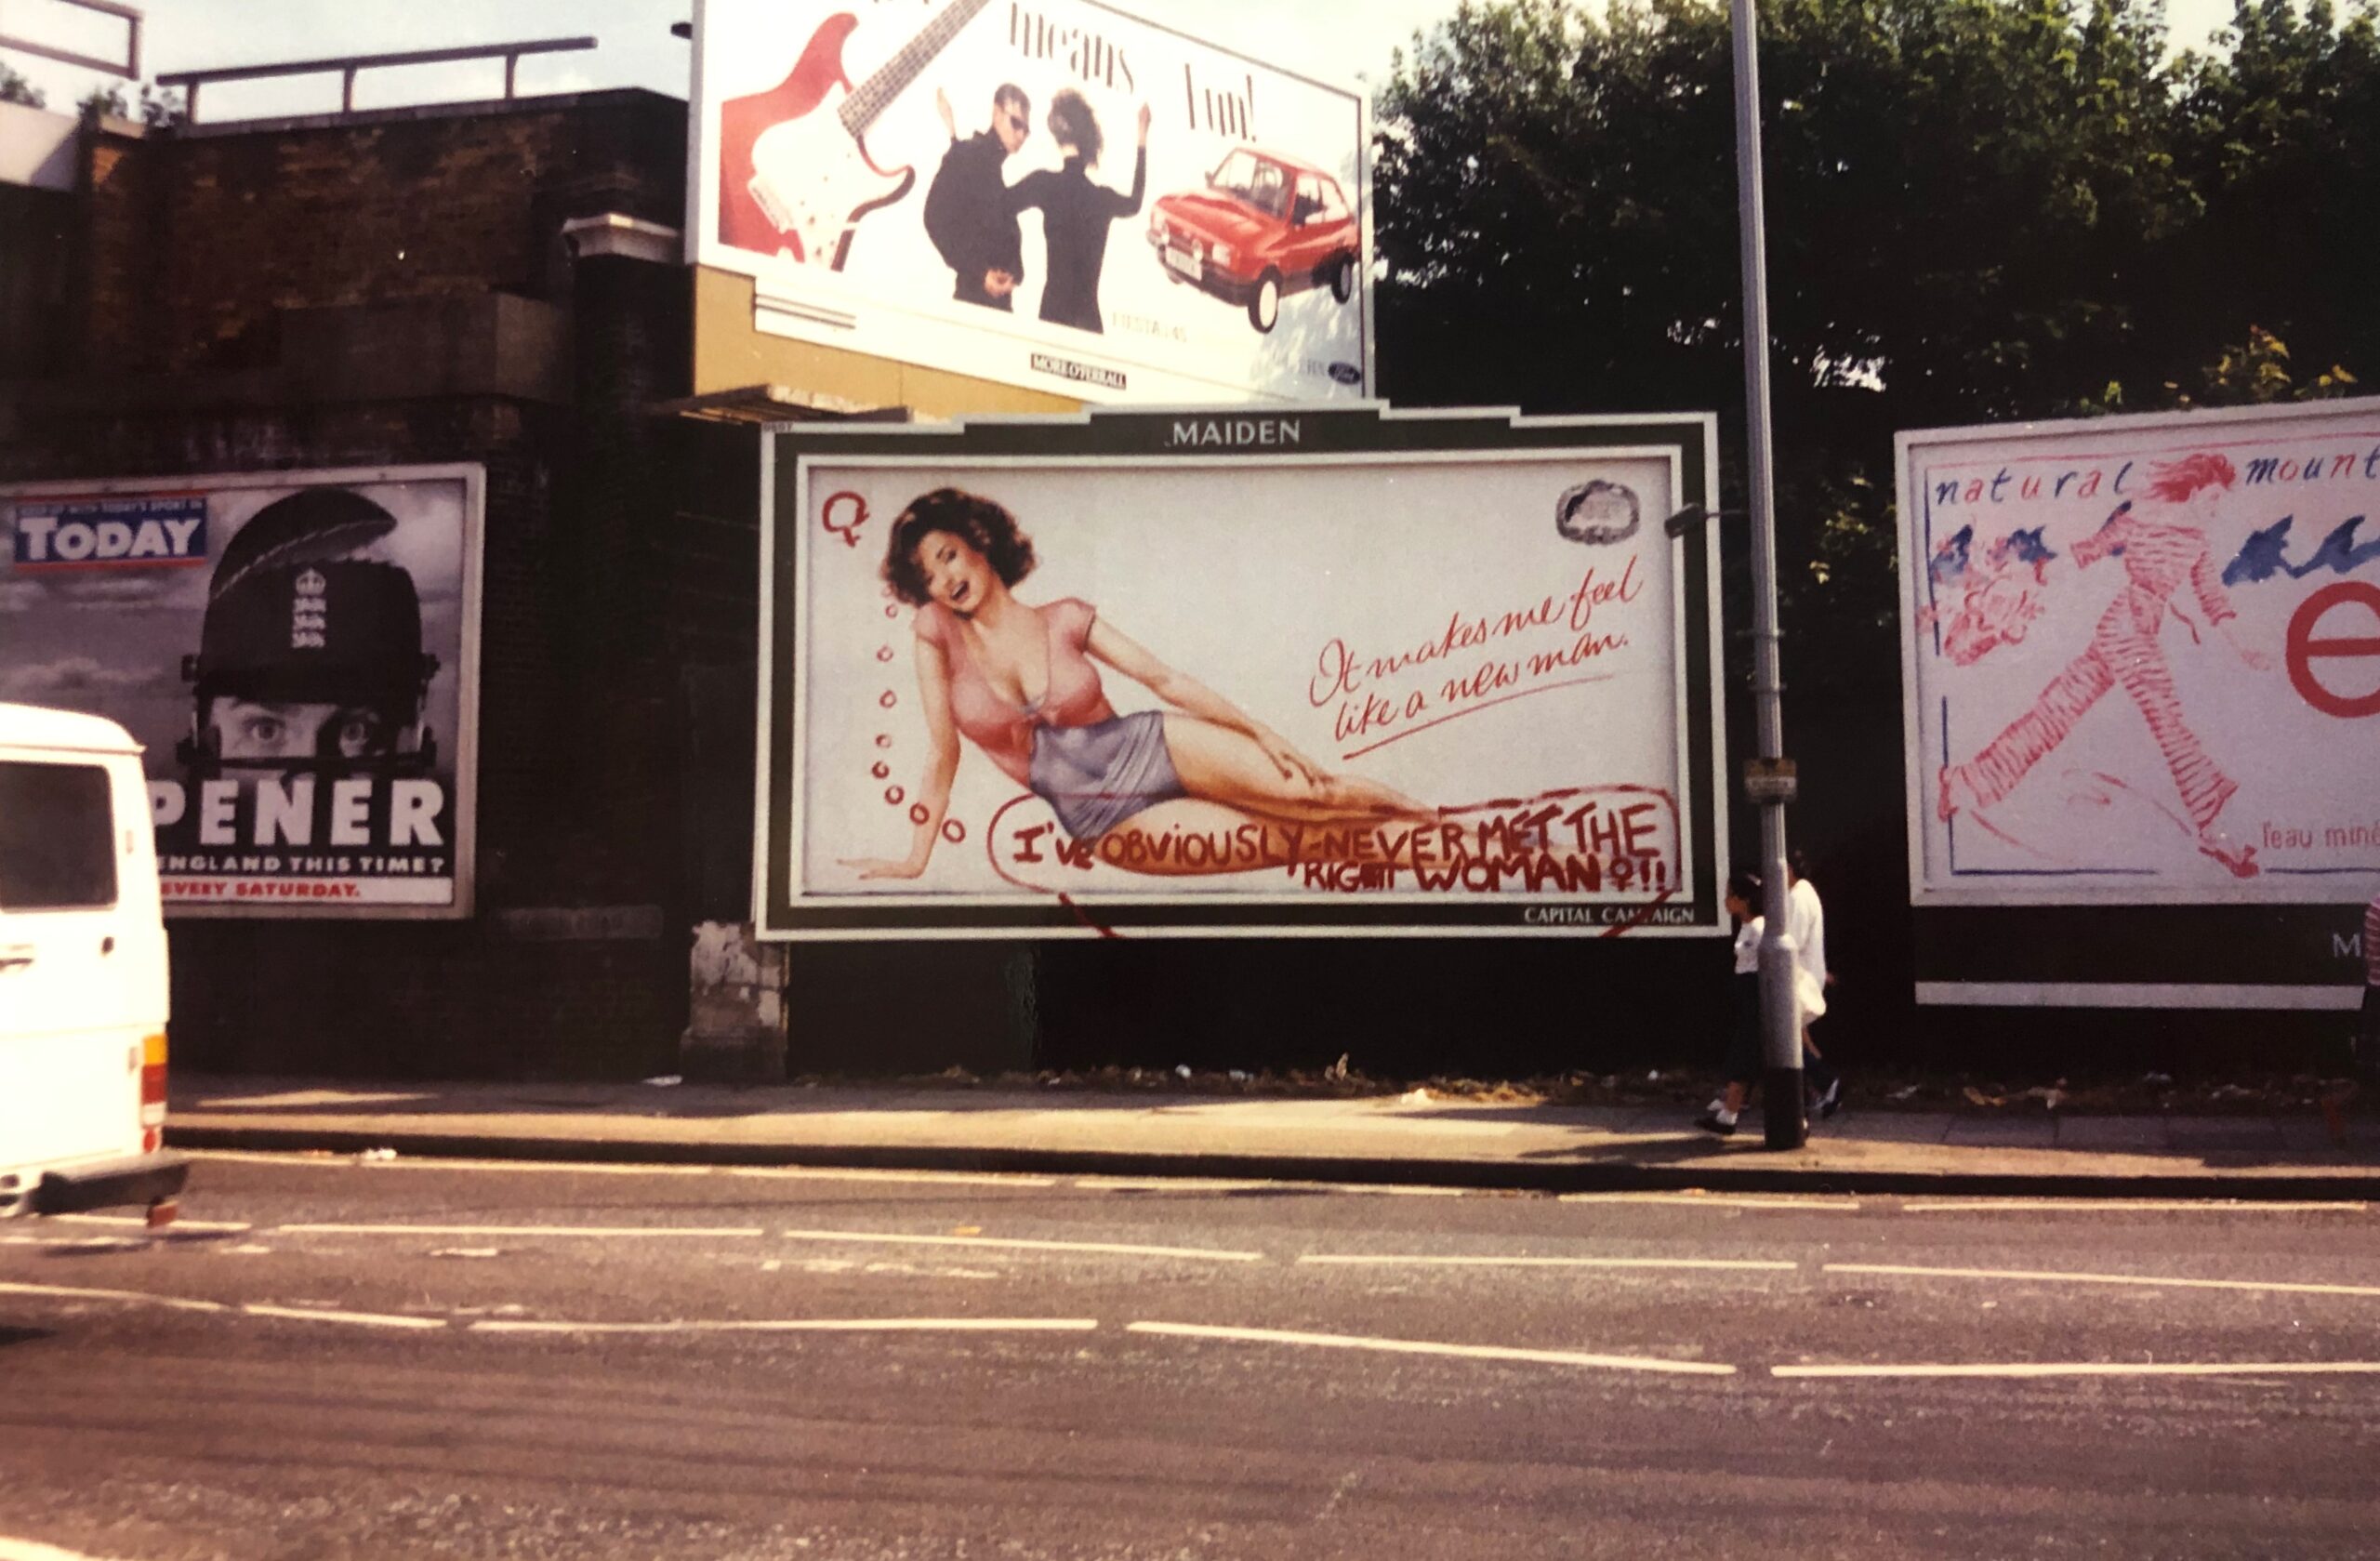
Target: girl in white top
(1743,1017)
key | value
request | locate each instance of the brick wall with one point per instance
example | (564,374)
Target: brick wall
(197,240)
(189,249)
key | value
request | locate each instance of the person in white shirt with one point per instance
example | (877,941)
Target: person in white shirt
(1806,922)
(1743,1013)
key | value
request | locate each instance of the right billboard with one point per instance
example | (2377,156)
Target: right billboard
(2141,668)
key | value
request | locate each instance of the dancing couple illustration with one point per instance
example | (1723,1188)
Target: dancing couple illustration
(2162,551)
(972,210)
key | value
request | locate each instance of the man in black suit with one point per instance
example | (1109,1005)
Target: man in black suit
(967,215)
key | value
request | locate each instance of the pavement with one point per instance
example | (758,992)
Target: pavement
(1418,1138)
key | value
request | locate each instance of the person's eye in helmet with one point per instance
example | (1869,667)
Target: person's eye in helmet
(251,731)
(362,734)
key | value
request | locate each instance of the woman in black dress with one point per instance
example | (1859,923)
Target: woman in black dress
(1076,213)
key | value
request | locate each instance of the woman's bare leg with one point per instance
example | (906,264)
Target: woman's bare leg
(1221,765)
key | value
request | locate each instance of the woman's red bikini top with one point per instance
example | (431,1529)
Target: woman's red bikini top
(1001,728)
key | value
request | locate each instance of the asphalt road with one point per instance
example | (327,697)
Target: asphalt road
(332,1360)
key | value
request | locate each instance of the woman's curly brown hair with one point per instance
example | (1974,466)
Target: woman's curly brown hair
(980,523)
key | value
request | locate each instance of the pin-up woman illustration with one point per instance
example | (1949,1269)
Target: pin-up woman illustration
(1021,682)
(2162,552)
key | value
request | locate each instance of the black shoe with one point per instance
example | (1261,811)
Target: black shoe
(1829,1101)
(1710,1121)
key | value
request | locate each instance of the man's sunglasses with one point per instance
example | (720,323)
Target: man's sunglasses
(1016,122)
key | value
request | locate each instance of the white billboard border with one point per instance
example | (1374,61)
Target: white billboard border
(701,143)
(473,476)
(2304,998)
(764,746)
(1906,443)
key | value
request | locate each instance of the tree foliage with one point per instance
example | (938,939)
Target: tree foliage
(1977,210)
(2284,147)
(14,88)
(159,110)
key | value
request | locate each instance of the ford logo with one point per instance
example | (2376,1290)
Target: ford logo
(1346,374)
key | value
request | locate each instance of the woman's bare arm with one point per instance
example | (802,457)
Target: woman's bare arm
(941,764)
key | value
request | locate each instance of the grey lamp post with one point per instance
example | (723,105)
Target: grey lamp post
(1783,1122)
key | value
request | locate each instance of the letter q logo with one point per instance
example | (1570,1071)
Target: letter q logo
(2305,648)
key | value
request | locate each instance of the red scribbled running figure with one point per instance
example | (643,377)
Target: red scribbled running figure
(2158,555)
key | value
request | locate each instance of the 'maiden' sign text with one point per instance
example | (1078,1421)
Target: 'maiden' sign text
(1231,433)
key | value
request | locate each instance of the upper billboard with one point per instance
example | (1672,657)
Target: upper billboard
(297,652)
(1056,196)
(1312,672)
(2142,658)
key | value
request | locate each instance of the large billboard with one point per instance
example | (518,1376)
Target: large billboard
(1298,671)
(297,652)
(1054,194)
(2142,669)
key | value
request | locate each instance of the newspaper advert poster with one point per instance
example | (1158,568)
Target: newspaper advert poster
(296,653)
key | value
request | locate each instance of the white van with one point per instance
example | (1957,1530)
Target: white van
(83,989)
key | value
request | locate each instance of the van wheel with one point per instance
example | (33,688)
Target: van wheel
(1265,308)
(1342,278)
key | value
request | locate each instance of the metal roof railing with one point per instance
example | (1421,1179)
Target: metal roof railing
(349,65)
(130,66)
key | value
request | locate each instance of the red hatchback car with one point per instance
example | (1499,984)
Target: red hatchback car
(1266,225)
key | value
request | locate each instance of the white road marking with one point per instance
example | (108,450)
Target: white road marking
(1202,1185)
(2094,1368)
(952,1178)
(806,1325)
(310,1097)
(138,1222)
(605,1232)
(30,1550)
(467,1252)
(1428,1261)
(2061,1277)
(1169,1185)
(363,1319)
(1699,1201)
(590,1168)
(320,1160)
(1127,1249)
(78,1292)
(2096,1205)
(253,1309)
(1417,1346)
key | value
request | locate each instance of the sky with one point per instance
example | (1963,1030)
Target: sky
(1335,39)
(1332,39)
